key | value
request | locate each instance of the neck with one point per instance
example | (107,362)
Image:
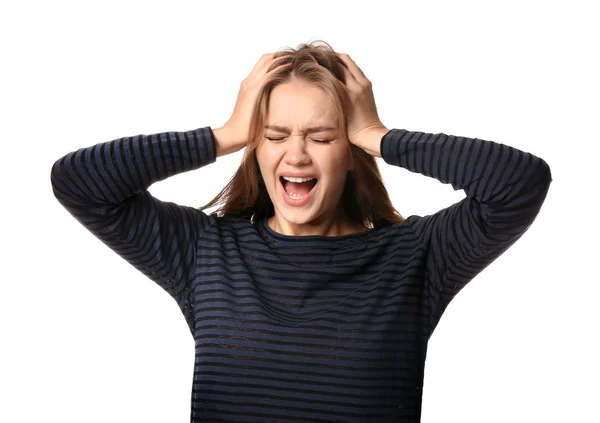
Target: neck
(333,226)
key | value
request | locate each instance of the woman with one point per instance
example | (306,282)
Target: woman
(309,299)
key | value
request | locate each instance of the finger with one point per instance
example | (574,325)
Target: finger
(267,64)
(356,72)
(261,68)
(350,80)
(261,61)
(278,63)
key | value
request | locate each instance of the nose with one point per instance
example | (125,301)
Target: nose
(296,152)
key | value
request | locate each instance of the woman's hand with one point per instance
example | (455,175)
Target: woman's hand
(233,135)
(364,126)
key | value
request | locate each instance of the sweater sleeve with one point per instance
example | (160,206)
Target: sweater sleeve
(105,187)
(505,190)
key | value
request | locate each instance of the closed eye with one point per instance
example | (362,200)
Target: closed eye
(319,141)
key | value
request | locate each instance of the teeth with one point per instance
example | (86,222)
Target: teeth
(297,180)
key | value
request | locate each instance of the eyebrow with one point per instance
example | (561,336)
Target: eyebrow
(321,128)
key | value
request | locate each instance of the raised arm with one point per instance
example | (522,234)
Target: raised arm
(105,187)
(505,190)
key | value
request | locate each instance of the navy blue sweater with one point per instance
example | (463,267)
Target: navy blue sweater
(305,328)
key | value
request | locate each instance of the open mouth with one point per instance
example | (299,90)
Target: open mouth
(298,190)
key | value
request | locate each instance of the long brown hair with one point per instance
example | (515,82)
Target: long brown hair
(364,199)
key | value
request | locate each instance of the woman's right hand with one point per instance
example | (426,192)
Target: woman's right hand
(233,135)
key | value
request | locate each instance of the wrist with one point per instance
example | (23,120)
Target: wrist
(226,141)
(370,140)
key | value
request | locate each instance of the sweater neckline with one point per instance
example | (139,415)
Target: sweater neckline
(311,240)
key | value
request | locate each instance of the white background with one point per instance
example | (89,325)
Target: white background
(87,338)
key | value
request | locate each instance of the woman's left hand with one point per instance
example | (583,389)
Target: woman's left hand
(364,121)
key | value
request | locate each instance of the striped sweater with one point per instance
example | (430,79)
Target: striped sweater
(305,328)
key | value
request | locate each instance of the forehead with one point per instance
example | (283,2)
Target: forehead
(300,105)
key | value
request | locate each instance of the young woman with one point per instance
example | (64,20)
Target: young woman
(309,297)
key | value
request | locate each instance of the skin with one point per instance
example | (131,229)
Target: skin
(297,105)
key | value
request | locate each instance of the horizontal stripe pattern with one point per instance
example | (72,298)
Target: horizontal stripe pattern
(310,328)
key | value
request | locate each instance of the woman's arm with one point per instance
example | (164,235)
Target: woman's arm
(505,189)
(105,187)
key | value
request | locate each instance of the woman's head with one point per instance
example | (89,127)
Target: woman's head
(307,94)
(302,139)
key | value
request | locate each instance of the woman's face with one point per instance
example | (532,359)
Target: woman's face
(290,148)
